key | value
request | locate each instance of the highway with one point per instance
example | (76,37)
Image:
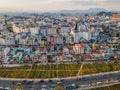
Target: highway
(82,82)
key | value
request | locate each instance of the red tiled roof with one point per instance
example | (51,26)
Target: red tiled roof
(77,45)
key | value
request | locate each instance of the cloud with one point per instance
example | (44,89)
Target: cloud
(96,2)
(113,2)
(56,5)
(87,2)
(106,4)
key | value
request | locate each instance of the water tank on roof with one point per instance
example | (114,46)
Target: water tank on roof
(107,56)
(93,47)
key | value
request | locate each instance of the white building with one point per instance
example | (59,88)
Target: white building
(1,26)
(82,34)
(34,30)
(24,29)
(64,29)
(2,41)
(7,41)
(6,51)
(16,29)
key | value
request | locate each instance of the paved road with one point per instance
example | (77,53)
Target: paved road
(83,82)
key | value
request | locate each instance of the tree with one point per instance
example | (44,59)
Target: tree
(116,62)
(111,67)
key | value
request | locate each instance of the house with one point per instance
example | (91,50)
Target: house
(43,31)
(24,29)
(1,26)
(6,51)
(79,48)
(2,41)
(7,38)
(58,39)
(88,49)
(82,34)
(65,51)
(64,29)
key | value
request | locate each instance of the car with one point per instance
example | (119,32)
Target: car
(7,88)
(13,82)
(30,82)
(62,79)
(59,82)
(52,89)
(24,81)
(99,83)
(43,89)
(41,81)
(1,88)
(44,86)
(53,85)
(71,86)
(50,80)
(105,75)
(82,78)
(18,84)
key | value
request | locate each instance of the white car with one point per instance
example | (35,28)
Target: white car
(18,84)
(59,82)
(99,83)
(43,89)
(1,88)
(7,88)
(44,86)
(62,79)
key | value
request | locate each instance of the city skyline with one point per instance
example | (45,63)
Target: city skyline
(56,5)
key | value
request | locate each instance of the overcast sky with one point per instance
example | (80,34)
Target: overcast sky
(56,5)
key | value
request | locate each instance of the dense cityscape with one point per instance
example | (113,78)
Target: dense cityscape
(56,39)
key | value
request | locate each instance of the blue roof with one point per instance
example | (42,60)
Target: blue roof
(104,38)
(23,35)
(27,51)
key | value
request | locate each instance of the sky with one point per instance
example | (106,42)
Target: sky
(57,5)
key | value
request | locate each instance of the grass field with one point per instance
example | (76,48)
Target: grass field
(56,71)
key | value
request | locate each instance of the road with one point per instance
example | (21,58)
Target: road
(83,82)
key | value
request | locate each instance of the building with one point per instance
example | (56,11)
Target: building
(16,29)
(34,30)
(116,17)
(79,48)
